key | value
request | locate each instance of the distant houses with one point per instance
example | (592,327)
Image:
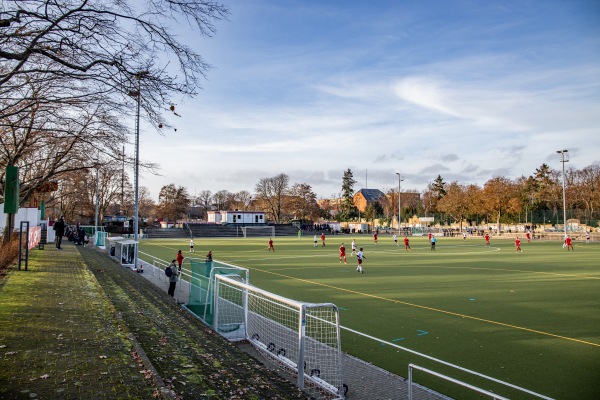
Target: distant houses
(364,197)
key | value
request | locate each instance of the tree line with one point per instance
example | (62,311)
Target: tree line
(498,200)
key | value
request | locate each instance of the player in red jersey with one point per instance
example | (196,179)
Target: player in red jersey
(180,258)
(569,243)
(343,253)
(271,245)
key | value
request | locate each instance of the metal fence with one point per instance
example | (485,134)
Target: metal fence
(537,217)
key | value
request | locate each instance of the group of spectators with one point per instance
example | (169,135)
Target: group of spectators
(74,234)
(77,235)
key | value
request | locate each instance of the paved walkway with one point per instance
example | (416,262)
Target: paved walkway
(60,338)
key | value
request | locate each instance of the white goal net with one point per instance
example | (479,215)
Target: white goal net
(258,231)
(302,338)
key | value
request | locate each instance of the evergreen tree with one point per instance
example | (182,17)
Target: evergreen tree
(438,187)
(347,208)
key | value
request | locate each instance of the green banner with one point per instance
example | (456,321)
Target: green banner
(11,190)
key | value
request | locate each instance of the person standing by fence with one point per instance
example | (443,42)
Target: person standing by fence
(171,272)
(59,229)
(209,262)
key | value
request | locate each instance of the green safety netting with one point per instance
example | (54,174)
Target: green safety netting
(202,284)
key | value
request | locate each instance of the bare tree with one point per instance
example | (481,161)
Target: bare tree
(68,71)
(107,46)
(271,192)
(242,200)
(204,200)
(222,199)
(147,206)
(173,202)
(585,188)
(302,202)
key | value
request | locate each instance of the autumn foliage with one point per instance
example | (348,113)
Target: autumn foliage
(8,253)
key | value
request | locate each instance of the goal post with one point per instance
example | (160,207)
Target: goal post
(302,338)
(258,231)
(202,282)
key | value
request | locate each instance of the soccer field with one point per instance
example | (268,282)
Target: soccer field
(531,319)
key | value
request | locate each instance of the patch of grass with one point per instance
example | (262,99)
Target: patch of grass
(528,318)
(192,360)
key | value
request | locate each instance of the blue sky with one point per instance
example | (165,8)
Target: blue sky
(468,90)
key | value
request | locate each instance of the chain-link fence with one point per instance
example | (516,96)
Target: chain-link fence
(538,217)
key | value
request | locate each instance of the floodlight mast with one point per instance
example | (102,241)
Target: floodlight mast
(564,157)
(137,96)
(97,199)
(400,179)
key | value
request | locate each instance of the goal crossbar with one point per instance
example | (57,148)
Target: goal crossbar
(258,231)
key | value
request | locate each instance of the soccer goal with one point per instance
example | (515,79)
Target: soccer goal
(202,282)
(302,338)
(258,231)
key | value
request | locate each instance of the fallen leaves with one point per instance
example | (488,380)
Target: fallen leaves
(147,374)
(45,376)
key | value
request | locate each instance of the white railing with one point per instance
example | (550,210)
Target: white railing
(449,379)
(541,396)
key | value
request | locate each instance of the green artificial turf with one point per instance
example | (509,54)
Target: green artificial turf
(531,319)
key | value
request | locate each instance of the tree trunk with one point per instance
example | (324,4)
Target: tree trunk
(8,229)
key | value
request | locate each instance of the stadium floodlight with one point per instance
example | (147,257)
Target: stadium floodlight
(137,95)
(97,200)
(400,179)
(564,157)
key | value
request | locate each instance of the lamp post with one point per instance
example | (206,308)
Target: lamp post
(137,95)
(97,200)
(399,190)
(564,157)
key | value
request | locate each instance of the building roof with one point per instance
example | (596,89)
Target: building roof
(371,195)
